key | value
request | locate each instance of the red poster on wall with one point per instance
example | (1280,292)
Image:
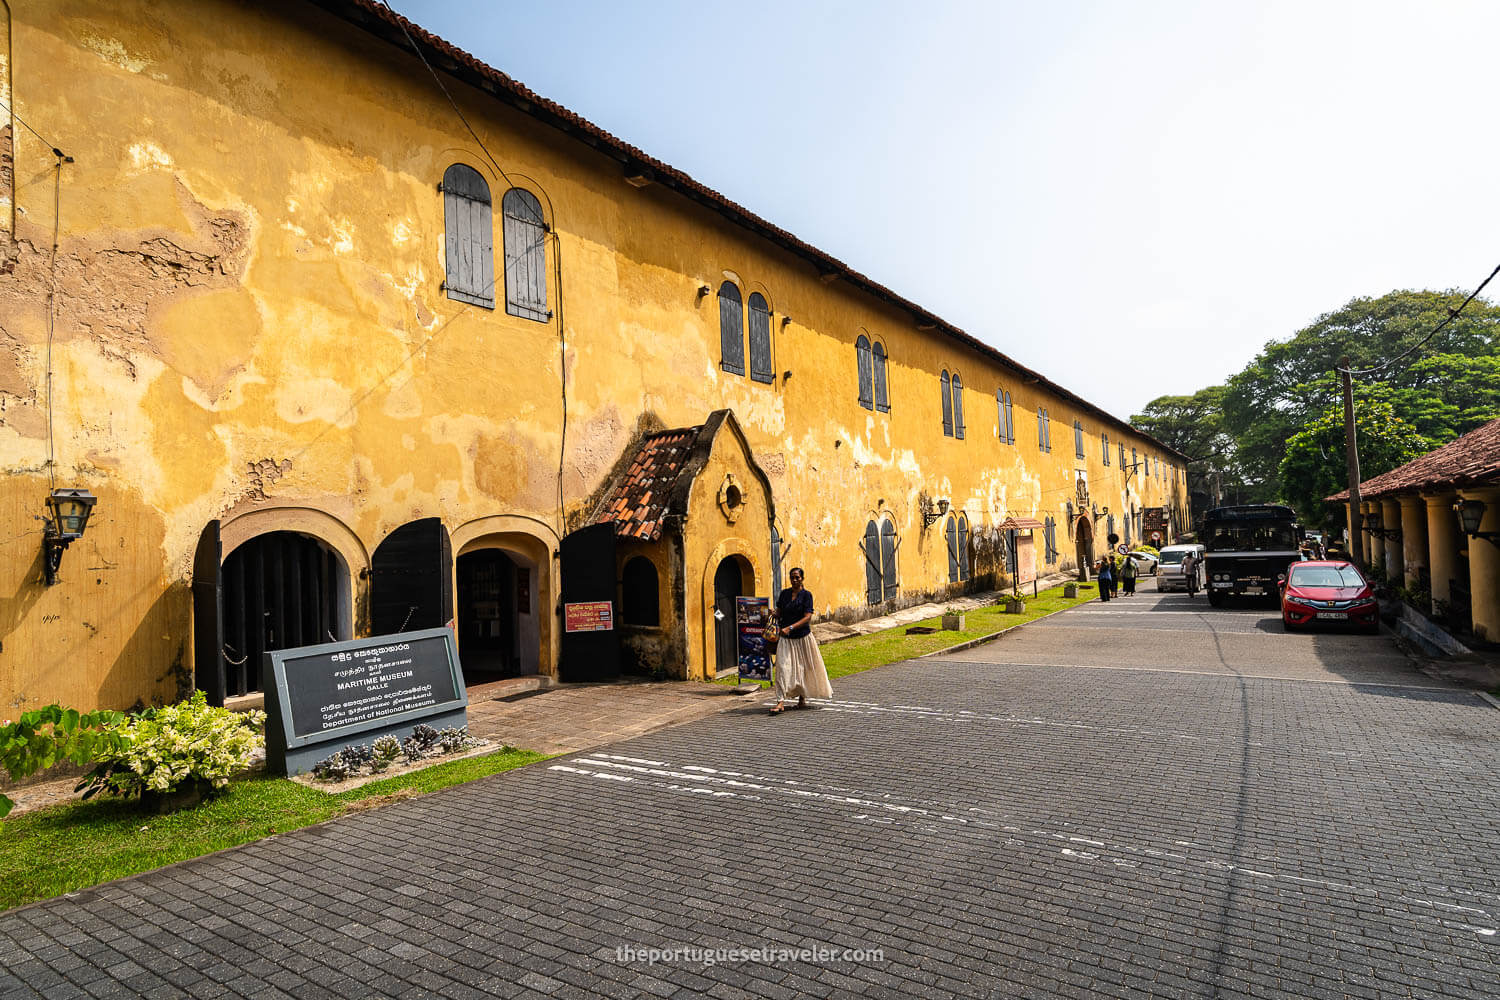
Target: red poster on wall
(589,616)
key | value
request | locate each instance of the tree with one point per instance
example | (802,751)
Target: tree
(1313,466)
(1194,425)
(1442,388)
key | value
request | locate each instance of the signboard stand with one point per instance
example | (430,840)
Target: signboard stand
(323,698)
(752,618)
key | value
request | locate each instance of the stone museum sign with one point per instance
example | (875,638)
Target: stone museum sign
(326,697)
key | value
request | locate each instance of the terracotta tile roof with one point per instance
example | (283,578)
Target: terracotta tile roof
(1472,460)
(379,20)
(637,502)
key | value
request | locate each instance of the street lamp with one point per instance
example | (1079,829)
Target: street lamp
(70,510)
(942,509)
(1470,515)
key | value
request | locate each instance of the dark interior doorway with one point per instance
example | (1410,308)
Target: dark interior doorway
(728,584)
(281,590)
(490,583)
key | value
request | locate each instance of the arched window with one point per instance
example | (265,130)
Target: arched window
(760,340)
(882,397)
(958,407)
(888,558)
(872,563)
(947,405)
(525,255)
(639,600)
(862,359)
(775,563)
(469,237)
(952,538)
(1007,422)
(963,547)
(731,330)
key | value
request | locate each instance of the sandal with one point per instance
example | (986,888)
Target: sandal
(778,708)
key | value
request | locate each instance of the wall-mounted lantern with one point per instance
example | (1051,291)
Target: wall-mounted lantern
(1470,516)
(942,509)
(69,510)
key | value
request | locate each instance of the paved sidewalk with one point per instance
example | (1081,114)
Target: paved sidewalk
(826,632)
(572,717)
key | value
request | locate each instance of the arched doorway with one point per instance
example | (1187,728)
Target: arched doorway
(496,615)
(281,589)
(729,583)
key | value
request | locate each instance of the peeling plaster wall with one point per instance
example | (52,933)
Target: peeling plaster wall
(248,315)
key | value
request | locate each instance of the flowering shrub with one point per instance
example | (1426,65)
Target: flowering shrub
(164,748)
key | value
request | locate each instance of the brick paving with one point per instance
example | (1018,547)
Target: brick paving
(1195,812)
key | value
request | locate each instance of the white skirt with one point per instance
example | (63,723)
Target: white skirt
(799,670)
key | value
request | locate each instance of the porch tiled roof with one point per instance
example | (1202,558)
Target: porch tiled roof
(1472,460)
(637,502)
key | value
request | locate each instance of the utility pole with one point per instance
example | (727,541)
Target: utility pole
(1351,448)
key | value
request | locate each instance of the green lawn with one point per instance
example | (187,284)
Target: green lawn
(69,847)
(861,652)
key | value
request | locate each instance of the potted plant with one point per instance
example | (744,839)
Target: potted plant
(953,619)
(1070,591)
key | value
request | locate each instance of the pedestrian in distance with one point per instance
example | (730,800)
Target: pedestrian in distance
(1127,576)
(799,666)
(1105,571)
(1190,573)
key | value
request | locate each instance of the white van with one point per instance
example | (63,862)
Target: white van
(1169,570)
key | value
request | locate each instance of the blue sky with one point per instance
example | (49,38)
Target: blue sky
(1130,197)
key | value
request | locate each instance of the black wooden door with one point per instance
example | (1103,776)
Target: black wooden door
(411,579)
(728,585)
(587,568)
(208,616)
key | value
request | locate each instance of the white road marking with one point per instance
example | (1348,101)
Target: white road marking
(703,780)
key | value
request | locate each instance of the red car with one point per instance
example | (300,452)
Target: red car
(1328,592)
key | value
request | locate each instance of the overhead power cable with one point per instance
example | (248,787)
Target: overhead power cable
(1452,315)
(55,151)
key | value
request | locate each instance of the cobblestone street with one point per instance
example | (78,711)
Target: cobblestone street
(1144,798)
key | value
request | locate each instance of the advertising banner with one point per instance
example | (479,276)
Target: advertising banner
(589,616)
(752,620)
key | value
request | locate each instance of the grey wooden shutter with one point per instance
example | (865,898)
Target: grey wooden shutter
(1041,431)
(888,558)
(1104,440)
(1010,420)
(1070,519)
(760,339)
(862,359)
(882,397)
(952,534)
(1122,456)
(1078,439)
(963,548)
(731,330)
(525,255)
(469,237)
(872,563)
(958,406)
(1047,428)
(947,406)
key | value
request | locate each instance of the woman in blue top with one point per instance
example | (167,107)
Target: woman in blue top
(799,665)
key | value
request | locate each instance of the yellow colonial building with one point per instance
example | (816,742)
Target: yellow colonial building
(349,333)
